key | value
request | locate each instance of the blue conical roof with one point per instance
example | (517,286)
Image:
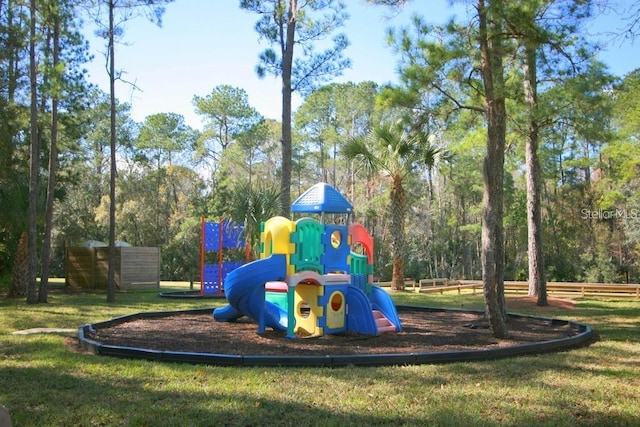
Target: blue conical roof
(321,198)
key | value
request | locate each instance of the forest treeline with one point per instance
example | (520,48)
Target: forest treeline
(171,175)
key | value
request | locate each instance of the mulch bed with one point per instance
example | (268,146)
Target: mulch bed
(423,332)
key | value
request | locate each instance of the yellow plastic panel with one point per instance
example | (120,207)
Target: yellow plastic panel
(335,310)
(307,310)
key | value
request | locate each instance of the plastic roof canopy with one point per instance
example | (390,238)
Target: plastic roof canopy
(321,198)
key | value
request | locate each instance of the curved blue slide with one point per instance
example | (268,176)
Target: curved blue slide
(381,300)
(244,289)
(361,307)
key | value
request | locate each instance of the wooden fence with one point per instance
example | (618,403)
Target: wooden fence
(517,287)
(134,268)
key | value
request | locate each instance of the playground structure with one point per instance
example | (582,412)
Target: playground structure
(309,281)
(215,238)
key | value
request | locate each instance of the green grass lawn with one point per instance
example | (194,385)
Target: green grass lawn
(43,383)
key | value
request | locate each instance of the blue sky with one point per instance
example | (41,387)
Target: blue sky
(206,43)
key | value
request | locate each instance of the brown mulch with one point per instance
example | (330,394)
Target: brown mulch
(423,332)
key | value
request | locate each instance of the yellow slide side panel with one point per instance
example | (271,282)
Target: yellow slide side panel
(307,310)
(276,236)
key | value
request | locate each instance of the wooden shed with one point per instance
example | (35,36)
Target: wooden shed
(135,267)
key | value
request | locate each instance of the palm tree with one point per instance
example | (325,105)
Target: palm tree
(396,154)
(252,206)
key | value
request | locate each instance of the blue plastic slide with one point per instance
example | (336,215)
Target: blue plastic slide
(361,317)
(244,289)
(381,300)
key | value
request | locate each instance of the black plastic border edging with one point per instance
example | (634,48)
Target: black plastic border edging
(583,338)
(195,294)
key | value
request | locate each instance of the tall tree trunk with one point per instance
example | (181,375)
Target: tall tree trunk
(398,213)
(491,50)
(53,162)
(34,164)
(20,273)
(287,66)
(14,54)
(537,283)
(111,286)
